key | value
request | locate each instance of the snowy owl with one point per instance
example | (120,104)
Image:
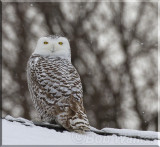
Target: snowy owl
(55,84)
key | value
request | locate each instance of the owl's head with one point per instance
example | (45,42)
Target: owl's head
(53,46)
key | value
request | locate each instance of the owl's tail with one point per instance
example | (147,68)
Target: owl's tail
(79,123)
(74,117)
(76,122)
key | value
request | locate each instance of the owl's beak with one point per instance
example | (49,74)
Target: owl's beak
(53,48)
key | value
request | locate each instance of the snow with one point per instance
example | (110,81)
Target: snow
(15,133)
(128,132)
(25,121)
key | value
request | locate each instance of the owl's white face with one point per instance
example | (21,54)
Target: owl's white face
(54,47)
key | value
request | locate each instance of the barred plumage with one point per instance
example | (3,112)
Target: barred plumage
(55,86)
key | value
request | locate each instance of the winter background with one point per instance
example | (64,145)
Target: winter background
(114,48)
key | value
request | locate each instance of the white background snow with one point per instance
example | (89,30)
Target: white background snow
(14,133)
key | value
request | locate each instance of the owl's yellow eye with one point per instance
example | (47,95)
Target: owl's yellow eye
(60,43)
(45,42)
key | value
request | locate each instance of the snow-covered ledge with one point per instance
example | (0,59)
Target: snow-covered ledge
(19,131)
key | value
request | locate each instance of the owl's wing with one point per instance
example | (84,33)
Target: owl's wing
(52,80)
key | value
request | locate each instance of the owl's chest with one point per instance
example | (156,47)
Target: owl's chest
(53,67)
(53,75)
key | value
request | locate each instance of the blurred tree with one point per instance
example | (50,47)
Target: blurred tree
(114,48)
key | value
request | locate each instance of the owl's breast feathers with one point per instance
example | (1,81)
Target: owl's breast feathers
(56,91)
